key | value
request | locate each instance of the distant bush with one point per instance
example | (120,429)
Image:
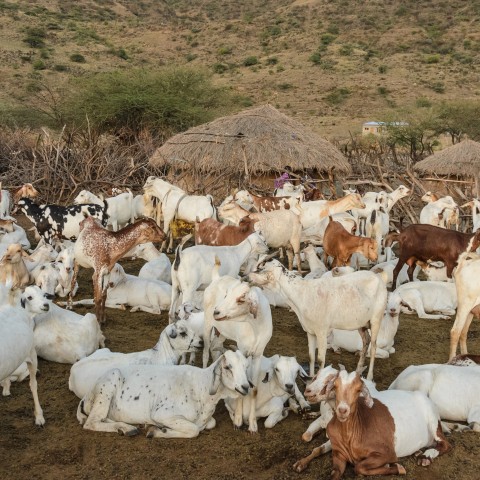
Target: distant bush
(337,96)
(438,87)
(219,67)
(60,68)
(315,58)
(35,37)
(327,38)
(122,54)
(225,50)
(77,58)
(284,86)
(382,90)
(249,61)
(346,50)
(189,57)
(429,59)
(382,69)
(39,65)
(272,61)
(423,102)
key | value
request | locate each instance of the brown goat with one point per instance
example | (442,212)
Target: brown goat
(429,244)
(341,245)
(217,234)
(13,267)
(100,249)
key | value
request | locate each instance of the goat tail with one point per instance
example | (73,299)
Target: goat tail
(178,253)
(373,217)
(105,214)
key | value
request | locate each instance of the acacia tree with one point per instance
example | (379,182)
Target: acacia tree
(458,119)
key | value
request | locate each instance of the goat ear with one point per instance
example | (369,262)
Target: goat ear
(330,383)
(367,396)
(242,298)
(216,377)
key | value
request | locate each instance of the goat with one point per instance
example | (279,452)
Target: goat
(341,245)
(454,390)
(119,208)
(192,268)
(54,222)
(323,304)
(385,271)
(177,204)
(475,206)
(61,336)
(430,243)
(174,340)
(440,212)
(13,233)
(371,429)
(17,344)
(468,297)
(47,277)
(267,204)
(12,267)
(423,297)
(158,266)
(278,385)
(317,267)
(211,232)
(351,341)
(100,249)
(241,313)
(177,402)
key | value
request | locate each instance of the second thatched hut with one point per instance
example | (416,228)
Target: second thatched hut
(247,149)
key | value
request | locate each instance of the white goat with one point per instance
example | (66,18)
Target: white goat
(61,335)
(192,268)
(475,206)
(438,211)
(119,208)
(385,271)
(278,385)
(290,190)
(241,313)
(423,297)
(434,271)
(468,295)
(65,264)
(454,390)
(47,277)
(159,269)
(17,344)
(317,267)
(15,234)
(351,341)
(174,340)
(326,303)
(177,402)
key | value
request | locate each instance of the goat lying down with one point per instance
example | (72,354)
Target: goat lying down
(175,401)
(278,385)
(372,429)
(176,339)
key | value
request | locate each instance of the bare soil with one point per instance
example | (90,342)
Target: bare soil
(62,449)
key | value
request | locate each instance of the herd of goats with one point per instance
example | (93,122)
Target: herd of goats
(223,287)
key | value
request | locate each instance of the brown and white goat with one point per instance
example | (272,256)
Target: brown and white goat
(100,249)
(214,233)
(341,245)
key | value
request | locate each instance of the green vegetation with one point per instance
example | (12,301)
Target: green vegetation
(249,61)
(337,96)
(77,58)
(35,37)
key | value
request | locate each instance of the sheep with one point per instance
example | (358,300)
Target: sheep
(374,429)
(174,340)
(422,297)
(17,344)
(241,313)
(278,385)
(192,268)
(12,266)
(323,304)
(351,341)
(454,390)
(176,402)
(60,335)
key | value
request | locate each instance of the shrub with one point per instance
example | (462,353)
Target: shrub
(189,57)
(249,61)
(77,58)
(423,102)
(225,50)
(337,96)
(429,59)
(60,68)
(315,58)
(382,69)
(35,37)
(122,54)
(382,90)
(39,65)
(346,50)
(327,38)
(272,61)
(285,86)
(438,87)
(219,67)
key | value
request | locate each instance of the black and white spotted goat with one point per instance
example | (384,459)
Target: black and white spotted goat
(55,222)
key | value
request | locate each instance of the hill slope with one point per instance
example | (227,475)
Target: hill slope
(332,64)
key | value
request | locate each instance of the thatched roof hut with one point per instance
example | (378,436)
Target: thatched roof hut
(462,160)
(255,142)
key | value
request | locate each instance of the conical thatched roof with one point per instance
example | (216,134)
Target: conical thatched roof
(255,141)
(462,159)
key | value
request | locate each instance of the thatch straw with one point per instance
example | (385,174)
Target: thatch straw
(462,159)
(256,141)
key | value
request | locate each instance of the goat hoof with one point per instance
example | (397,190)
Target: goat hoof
(305,410)
(300,466)
(130,433)
(424,462)
(401,469)
(307,437)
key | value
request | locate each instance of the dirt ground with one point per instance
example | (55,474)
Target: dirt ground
(62,449)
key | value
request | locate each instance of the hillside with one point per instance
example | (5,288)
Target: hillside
(331,64)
